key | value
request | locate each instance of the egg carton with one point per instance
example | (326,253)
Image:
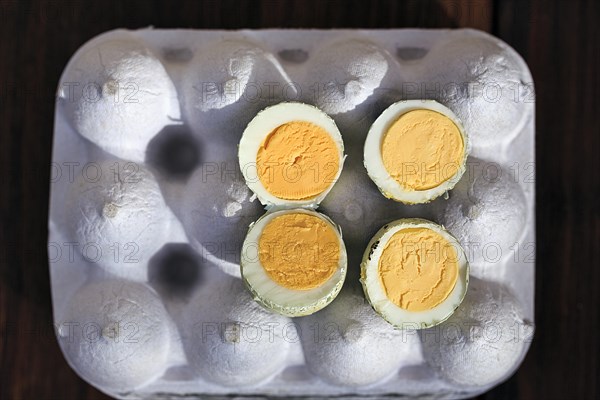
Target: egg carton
(168,316)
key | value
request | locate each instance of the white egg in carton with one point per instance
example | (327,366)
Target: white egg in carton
(148,212)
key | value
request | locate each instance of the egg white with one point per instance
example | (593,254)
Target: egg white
(293,303)
(375,292)
(266,122)
(373,159)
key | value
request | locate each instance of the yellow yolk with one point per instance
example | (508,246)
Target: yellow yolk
(418,269)
(299,251)
(422,149)
(297,161)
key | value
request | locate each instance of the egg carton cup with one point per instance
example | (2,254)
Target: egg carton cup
(159,254)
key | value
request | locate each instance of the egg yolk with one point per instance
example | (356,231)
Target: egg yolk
(297,161)
(422,149)
(299,251)
(418,269)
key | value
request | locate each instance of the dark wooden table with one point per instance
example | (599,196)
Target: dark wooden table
(559,41)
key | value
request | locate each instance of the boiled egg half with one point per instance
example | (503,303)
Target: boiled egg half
(416,150)
(294,261)
(414,273)
(291,154)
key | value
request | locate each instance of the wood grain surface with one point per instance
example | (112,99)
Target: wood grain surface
(559,41)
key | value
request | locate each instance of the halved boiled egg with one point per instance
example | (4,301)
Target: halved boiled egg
(416,150)
(294,261)
(414,273)
(291,154)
